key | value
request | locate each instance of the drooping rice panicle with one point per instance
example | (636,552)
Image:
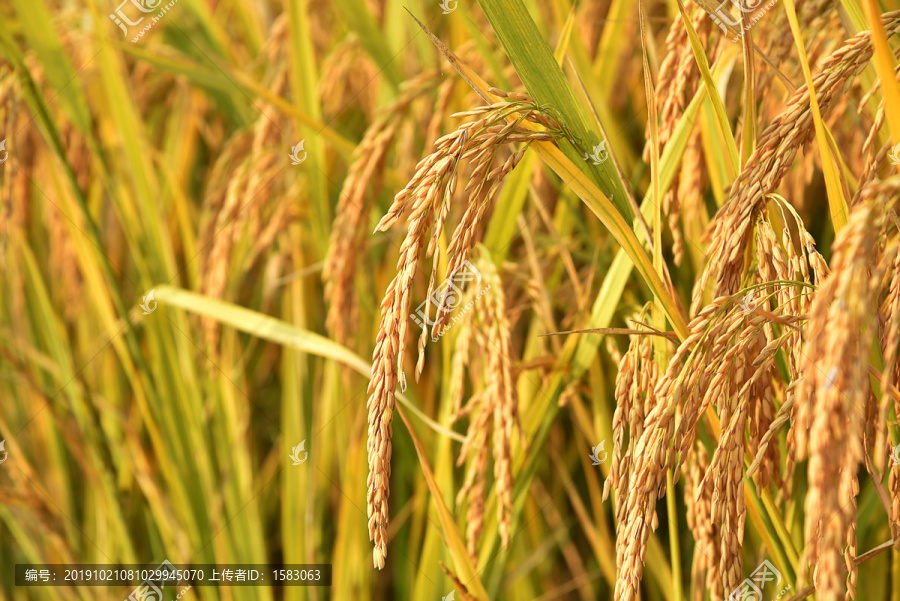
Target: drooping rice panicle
(427,198)
(835,393)
(778,145)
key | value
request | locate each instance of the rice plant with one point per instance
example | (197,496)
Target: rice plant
(628,273)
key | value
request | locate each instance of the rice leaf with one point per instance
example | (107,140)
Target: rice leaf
(546,83)
(885,66)
(275,330)
(834,182)
(455,542)
(724,129)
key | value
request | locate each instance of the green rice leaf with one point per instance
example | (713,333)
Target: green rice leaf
(546,83)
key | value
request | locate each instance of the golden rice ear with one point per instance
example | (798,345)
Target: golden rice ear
(635,397)
(835,391)
(427,198)
(503,400)
(360,190)
(776,149)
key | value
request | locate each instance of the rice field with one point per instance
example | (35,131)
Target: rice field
(452,300)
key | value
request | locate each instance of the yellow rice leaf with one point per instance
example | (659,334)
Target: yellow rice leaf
(833,178)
